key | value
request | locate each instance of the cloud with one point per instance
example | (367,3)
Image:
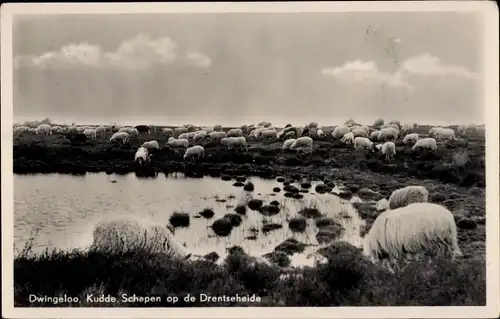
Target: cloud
(140,53)
(368,72)
(364,72)
(428,65)
(198,60)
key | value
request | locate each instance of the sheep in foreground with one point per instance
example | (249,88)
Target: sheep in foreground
(141,155)
(389,150)
(124,235)
(362,142)
(43,129)
(120,136)
(151,145)
(407,195)
(428,143)
(348,138)
(418,227)
(194,153)
(410,138)
(288,143)
(239,143)
(303,144)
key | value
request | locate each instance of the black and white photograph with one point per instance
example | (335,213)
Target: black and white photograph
(277,156)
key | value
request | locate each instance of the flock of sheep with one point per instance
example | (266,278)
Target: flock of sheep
(408,223)
(375,138)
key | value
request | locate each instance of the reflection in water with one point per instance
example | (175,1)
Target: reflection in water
(65,208)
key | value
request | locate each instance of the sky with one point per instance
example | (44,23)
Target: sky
(242,68)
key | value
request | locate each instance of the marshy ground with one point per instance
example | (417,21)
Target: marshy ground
(454,177)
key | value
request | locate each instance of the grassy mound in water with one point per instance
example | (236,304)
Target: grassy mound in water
(459,162)
(347,279)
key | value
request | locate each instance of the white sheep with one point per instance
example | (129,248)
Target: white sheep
(43,129)
(374,135)
(382,204)
(124,235)
(288,143)
(320,133)
(291,132)
(168,131)
(410,138)
(224,141)
(418,227)
(100,129)
(303,144)
(91,133)
(217,135)
(362,142)
(195,152)
(235,132)
(312,125)
(151,145)
(237,143)
(378,123)
(348,138)
(428,143)
(389,149)
(180,130)
(267,124)
(217,128)
(120,136)
(56,128)
(408,127)
(340,131)
(359,132)
(199,136)
(408,195)
(379,147)
(388,133)
(394,122)
(183,136)
(141,155)
(269,134)
(443,133)
(181,142)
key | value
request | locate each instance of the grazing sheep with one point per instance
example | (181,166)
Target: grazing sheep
(181,142)
(168,131)
(200,136)
(235,132)
(407,195)
(194,153)
(217,128)
(415,228)
(151,145)
(269,134)
(340,131)
(180,130)
(389,150)
(382,204)
(128,235)
(288,143)
(359,132)
(43,129)
(183,136)
(141,155)
(362,142)
(90,133)
(120,136)
(378,123)
(291,132)
(443,133)
(303,144)
(374,135)
(217,135)
(410,138)
(425,144)
(388,133)
(408,127)
(348,138)
(239,143)
(101,129)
